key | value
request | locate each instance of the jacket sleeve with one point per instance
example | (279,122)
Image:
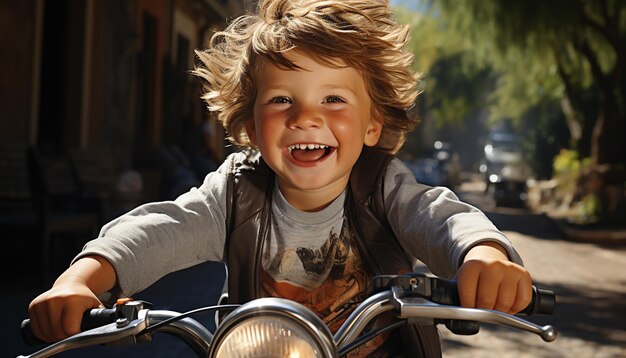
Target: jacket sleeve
(158,238)
(433,225)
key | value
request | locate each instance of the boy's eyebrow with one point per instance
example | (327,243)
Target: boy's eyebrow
(327,87)
(340,87)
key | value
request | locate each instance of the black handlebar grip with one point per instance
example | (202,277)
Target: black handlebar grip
(91,319)
(543,302)
(27,335)
(445,292)
(97,317)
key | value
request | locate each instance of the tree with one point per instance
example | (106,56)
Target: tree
(573,51)
(454,82)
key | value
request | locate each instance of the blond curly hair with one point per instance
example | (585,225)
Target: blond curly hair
(361,33)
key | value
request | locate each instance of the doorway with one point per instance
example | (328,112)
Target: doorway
(60,96)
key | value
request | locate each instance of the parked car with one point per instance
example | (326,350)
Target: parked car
(505,170)
(442,167)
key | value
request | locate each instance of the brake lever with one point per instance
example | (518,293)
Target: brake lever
(417,307)
(121,332)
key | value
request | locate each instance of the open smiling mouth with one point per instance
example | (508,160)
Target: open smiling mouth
(310,152)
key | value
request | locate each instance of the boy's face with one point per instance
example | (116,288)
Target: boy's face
(310,125)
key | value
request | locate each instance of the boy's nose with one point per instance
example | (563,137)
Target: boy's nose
(305,118)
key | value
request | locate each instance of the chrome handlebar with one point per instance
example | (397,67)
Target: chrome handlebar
(427,312)
(136,327)
(124,332)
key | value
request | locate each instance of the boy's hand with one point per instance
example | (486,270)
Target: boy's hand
(487,279)
(57,313)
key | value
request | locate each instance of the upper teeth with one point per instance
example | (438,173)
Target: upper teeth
(307,146)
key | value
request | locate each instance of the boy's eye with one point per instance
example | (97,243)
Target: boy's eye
(333,99)
(280,99)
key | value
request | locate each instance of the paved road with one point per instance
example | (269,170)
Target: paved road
(590,282)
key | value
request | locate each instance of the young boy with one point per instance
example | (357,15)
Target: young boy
(320,89)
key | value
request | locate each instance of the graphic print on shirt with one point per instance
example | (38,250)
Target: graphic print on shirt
(330,258)
(330,280)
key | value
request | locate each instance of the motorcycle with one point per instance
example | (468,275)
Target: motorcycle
(276,327)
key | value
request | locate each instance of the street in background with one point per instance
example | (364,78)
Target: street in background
(441,167)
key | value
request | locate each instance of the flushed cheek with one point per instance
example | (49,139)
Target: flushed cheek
(347,132)
(342,124)
(269,130)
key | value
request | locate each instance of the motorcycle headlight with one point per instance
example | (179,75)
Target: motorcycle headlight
(494,178)
(272,327)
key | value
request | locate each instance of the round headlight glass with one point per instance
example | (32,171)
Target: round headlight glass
(268,337)
(272,327)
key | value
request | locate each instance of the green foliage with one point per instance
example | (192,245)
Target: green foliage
(588,209)
(551,50)
(568,168)
(454,81)
(513,39)
(567,164)
(521,85)
(467,67)
(547,65)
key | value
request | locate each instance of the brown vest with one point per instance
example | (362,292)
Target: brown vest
(249,193)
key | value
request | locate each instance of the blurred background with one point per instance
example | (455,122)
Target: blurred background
(522,114)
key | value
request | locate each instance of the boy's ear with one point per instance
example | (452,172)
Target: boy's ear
(374,129)
(251,131)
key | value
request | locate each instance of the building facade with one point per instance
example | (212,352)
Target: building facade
(106,74)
